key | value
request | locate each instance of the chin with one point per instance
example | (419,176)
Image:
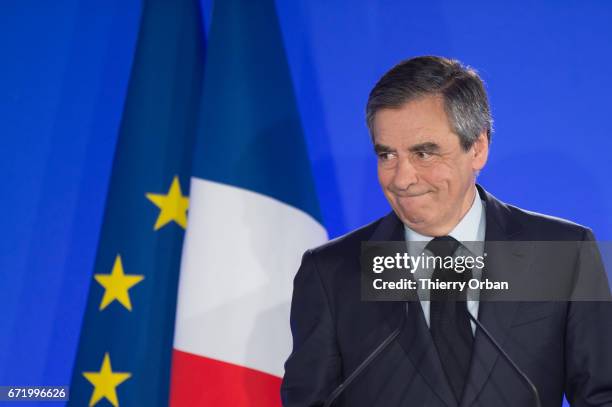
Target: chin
(416,221)
(412,213)
(413,221)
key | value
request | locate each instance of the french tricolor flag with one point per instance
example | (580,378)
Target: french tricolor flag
(253,212)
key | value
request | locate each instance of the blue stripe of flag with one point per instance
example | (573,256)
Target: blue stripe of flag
(251,134)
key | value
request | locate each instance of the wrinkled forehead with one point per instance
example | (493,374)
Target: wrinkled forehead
(419,121)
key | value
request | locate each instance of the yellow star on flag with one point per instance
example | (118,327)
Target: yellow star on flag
(116,285)
(173,206)
(105,382)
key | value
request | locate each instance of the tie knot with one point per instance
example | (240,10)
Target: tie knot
(443,246)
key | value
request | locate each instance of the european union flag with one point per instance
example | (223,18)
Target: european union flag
(126,339)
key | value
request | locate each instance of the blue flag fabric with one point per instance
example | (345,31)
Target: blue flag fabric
(124,352)
(251,132)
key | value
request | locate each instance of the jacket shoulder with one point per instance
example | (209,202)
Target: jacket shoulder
(349,241)
(539,226)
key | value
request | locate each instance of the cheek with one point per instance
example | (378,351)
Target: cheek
(384,177)
(439,177)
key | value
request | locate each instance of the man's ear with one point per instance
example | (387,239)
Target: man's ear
(480,151)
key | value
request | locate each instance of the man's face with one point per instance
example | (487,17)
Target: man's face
(427,177)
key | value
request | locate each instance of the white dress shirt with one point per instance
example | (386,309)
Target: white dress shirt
(470,231)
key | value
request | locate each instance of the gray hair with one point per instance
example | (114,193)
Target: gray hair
(463,92)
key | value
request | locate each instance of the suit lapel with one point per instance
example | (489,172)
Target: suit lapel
(416,340)
(415,337)
(496,316)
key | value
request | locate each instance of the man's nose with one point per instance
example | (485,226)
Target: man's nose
(405,175)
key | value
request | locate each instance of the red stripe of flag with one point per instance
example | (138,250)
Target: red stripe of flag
(201,381)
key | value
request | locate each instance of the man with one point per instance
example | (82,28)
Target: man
(430,123)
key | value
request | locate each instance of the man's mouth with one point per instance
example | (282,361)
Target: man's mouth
(410,195)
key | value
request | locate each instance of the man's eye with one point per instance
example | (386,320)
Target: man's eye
(385,156)
(423,155)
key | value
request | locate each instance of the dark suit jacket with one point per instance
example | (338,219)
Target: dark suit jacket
(564,347)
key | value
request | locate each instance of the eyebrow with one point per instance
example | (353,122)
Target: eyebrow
(381,148)
(427,146)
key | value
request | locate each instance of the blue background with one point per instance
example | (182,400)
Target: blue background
(64,72)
